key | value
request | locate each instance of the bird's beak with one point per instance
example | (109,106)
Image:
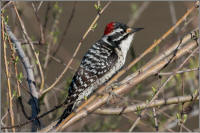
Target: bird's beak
(132,30)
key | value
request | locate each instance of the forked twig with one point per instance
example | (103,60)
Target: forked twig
(42,38)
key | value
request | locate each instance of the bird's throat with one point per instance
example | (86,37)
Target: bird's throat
(125,45)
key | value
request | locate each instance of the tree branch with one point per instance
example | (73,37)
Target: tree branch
(29,72)
(145,105)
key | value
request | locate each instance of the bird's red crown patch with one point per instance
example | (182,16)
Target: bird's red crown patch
(109,28)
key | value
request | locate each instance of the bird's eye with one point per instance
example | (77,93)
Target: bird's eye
(122,32)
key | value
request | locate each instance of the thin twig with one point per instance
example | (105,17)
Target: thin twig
(32,46)
(182,91)
(145,105)
(76,51)
(155,119)
(51,37)
(198,4)
(65,30)
(4,116)
(39,117)
(173,118)
(178,72)
(46,16)
(15,66)
(8,76)
(7,3)
(38,8)
(173,14)
(2,123)
(138,13)
(42,38)
(56,59)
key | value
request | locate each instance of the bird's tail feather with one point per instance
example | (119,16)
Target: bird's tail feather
(66,113)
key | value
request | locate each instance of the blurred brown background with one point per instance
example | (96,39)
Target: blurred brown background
(155,19)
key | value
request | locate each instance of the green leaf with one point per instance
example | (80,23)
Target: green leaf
(94,26)
(138,110)
(20,77)
(14,93)
(185,116)
(98,8)
(36,62)
(16,59)
(178,116)
(154,90)
(195,92)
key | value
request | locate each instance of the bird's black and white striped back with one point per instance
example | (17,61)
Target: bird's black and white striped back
(98,61)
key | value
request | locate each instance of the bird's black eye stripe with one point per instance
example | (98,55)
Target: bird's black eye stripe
(115,36)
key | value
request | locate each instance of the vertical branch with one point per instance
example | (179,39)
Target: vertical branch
(173,14)
(30,78)
(199,62)
(50,38)
(3,117)
(8,78)
(15,66)
(138,13)
(42,39)
(155,119)
(181,112)
(65,31)
(38,8)
(46,16)
(32,46)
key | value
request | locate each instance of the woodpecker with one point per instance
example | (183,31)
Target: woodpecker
(102,61)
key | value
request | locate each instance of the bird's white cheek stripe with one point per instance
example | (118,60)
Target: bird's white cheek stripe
(125,45)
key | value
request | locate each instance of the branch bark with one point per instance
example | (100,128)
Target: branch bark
(8,75)
(30,76)
(144,105)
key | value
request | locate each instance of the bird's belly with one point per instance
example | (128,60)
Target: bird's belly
(87,92)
